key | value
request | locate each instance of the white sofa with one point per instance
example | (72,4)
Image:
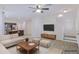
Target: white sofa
(9,40)
(3,50)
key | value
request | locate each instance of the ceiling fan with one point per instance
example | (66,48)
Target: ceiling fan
(39,8)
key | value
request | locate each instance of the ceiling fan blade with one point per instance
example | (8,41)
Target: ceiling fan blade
(31,7)
(34,11)
(48,4)
(45,8)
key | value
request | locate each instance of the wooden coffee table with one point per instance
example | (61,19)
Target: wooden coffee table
(27,46)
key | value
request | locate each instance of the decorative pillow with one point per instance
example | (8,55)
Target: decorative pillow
(45,43)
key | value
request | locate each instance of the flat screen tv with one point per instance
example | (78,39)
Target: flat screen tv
(48,27)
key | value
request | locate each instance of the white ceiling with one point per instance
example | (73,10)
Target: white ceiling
(22,10)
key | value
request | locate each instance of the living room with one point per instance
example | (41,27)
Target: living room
(49,24)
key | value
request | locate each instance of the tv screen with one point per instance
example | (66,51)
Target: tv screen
(48,27)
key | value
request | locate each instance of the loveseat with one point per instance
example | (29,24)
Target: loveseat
(54,45)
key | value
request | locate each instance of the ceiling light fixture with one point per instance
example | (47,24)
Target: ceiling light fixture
(66,10)
(38,11)
(60,15)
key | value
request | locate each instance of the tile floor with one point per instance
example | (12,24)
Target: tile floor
(42,50)
(13,50)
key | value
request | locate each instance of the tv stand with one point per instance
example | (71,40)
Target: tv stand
(48,36)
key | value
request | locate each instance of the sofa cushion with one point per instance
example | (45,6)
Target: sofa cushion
(58,44)
(14,35)
(4,37)
(52,50)
(45,43)
(43,50)
(10,42)
(3,50)
(5,42)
